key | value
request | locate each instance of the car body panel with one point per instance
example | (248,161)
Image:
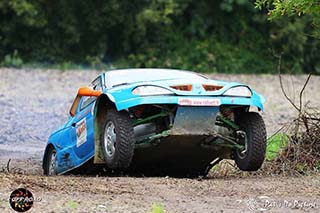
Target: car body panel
(123,98)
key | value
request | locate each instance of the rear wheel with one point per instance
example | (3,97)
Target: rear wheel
(252,135)
(117,139)
(50,167)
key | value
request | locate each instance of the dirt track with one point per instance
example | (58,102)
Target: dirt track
(127,194)
(34,102)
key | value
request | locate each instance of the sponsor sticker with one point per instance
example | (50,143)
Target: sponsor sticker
(199,101)
(81,131)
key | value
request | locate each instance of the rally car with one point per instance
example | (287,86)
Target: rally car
(170,120)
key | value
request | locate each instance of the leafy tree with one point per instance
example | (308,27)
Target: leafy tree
(206,35)
(279,8)
(304,14)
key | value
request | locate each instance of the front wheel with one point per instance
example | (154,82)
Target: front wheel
(117,139)
(252,135)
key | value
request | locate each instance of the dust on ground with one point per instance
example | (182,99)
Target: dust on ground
(130,194)
(34,102)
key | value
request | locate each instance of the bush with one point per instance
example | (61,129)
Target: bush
(302,152)
(206,56)
(12,60)
(220,36)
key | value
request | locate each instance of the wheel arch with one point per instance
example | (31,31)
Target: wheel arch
(103,103)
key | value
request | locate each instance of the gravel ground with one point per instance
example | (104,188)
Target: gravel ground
(35,102)
(128,194)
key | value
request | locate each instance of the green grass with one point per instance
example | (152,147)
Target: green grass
(157,208)
(275,145)
(72,204)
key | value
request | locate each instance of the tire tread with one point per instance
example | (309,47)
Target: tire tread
(254,160)
(125,139)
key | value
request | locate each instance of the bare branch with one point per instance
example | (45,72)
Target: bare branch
(281,85)
(8,165)
(304,87)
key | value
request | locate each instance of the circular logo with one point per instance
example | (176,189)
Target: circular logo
(21,200)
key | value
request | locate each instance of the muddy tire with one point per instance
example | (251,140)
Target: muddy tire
(253,131)
(117,140)
(50,165)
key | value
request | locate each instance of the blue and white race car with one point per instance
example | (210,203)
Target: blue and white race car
(176,122)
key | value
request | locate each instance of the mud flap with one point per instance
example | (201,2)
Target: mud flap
(98,156)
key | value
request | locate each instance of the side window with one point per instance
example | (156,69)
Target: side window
(86,101)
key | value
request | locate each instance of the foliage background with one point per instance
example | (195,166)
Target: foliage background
(207,36)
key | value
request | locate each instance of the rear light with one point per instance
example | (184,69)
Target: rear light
(210,88)
(182,87)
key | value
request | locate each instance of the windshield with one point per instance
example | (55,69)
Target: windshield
(129,76)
